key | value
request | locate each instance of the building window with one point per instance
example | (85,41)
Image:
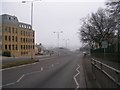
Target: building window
(16,30)
(21,32)
(12,47)
(33,34)
(16,47)
(33,46)
(5,47)
(33,40)
(5,38)
(13,30)
(9,38)
(24,33)
(9,47)
(9,18)
(12,38)
(24,40)
(21,39)
(24,47)
(21,47)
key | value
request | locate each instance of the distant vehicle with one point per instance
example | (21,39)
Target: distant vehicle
(84,53)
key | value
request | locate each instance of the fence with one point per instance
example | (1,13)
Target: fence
(107,76)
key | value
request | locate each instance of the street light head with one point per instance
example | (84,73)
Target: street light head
(61,31)
(23,1)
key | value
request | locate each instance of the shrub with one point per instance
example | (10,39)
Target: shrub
(6,53)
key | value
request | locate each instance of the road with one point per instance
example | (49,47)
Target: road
(53,72)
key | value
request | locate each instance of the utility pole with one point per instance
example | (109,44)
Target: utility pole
(58,36)
(31,17)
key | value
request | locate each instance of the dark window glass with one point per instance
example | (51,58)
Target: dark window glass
(13,30)
(9,47)
(12,47)
(21,47)
(12,38)
(16,47)
(5,38)
(5,47)
(9,38)
(21,39)
(24,46)
(24,40)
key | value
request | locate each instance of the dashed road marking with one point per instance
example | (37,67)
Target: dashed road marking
(41,68)
(20,78)
(76,76)
(46,58)
(52,65)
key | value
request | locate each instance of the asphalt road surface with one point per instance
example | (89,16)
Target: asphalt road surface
(53,72)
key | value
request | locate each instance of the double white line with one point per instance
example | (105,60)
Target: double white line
(76,76)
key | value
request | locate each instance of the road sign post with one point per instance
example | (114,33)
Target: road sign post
(104,45)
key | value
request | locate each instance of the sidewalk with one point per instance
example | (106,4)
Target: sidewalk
(90,78)
(16,59)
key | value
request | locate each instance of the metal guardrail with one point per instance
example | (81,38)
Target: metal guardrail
(100,66)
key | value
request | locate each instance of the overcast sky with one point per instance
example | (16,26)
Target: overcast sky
(54,16)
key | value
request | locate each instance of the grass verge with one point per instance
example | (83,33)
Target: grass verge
(22,62)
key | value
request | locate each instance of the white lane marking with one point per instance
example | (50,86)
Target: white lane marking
(17,66)
(25,64)
(52,65)
(46,58)
(8,84)
(76,76)
(20,78)
(41,68)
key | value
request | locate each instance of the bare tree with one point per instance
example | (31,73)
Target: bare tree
(96,28)
(113,7)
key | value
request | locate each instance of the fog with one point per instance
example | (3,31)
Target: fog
(53,16)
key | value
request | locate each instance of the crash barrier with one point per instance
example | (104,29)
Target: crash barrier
(107,76)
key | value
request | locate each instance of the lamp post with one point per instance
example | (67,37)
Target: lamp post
(58,36)
(31,9)
(31,16)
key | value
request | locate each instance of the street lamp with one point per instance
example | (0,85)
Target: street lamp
(31,16)
(31,9)
(58,33)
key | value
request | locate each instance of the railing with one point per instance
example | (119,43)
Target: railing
(111,73)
